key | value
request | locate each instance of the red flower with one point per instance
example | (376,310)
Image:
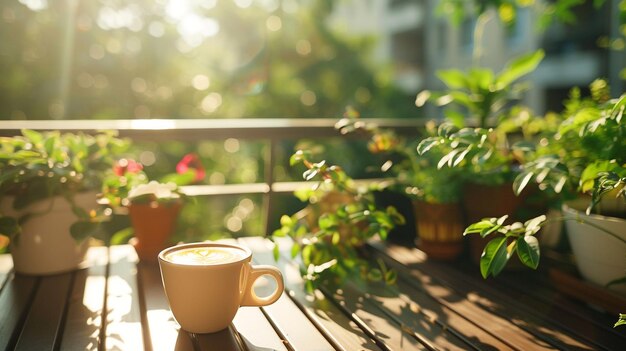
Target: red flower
(191,162)
(124,166)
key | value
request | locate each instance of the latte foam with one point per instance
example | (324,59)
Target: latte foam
(205,255)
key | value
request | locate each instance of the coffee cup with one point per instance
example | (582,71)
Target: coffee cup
(206,283)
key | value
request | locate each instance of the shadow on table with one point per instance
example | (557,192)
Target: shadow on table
(224,340)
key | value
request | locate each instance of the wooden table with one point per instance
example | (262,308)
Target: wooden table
(119,304)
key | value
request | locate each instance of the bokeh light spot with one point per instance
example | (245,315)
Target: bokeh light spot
(231,145)
(200,82)
(147,158)
(211,102)
(303,47)
(274,23)
(139,85)
(308,98)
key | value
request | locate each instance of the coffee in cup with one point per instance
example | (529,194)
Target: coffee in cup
(205,284)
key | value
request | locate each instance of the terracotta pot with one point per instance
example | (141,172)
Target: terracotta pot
(153,225)
(439,229)
(45,245)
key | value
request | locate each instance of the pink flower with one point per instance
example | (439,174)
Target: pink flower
(191,162)
(124,166)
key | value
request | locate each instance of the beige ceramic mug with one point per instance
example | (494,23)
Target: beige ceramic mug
(205,284)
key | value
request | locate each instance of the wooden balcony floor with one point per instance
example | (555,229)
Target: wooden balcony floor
(119,304)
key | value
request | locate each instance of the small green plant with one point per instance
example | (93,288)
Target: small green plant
(587,155)
(41,165)
(417,174)
(338,219)
(480,95)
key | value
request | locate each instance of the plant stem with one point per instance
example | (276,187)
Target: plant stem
(479,30)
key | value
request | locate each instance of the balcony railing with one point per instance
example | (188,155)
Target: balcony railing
(271,131)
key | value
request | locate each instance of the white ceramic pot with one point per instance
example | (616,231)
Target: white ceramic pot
(45,245)
(599,256)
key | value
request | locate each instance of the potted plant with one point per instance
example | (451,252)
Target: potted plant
(150,208)
(585,164)
(435,193)
(153,209)
(338,219)
(487,155)
(48,190)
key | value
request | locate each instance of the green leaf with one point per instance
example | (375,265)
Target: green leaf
(328,221)
(276,252)
(427,144)
(518,68)
(494,257)
(33,136)
(479,226)
(298,157)
(9,226)
(391,277)
(521,181)
(533,225)
(621,320)
(528,250)
(82,230)
(455,117)
(453,78)
(295,250)
(375,275)
(286,221)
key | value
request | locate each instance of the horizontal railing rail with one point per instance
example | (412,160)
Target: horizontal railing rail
(199,129)
(272,130)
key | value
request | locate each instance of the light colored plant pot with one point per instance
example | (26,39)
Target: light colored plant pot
(153,226)
(600,257)
(45,245)
(439,229)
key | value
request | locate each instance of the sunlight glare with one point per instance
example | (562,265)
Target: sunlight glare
(35,5)
(274,23)
(200,82)
(152,124)
(192,27)
(243,3)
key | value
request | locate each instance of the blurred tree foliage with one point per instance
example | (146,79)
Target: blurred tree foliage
(108,59)
(100,59)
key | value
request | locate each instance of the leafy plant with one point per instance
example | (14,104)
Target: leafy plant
(41,165)
(483,94)
(339,218)
(516,238)
(126,183)
(417,174)
(587,155)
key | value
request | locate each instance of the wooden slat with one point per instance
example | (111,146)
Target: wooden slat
(161,328)
(293,325)
(570,315)
(495,314)
(86,304)
(431,310)
(405,313)
(123,329)
(41,330)
(342,332)
(15,299)
(255,331)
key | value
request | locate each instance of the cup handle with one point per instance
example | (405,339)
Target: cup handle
(250,298)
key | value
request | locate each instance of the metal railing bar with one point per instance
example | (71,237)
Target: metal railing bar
(203,129)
